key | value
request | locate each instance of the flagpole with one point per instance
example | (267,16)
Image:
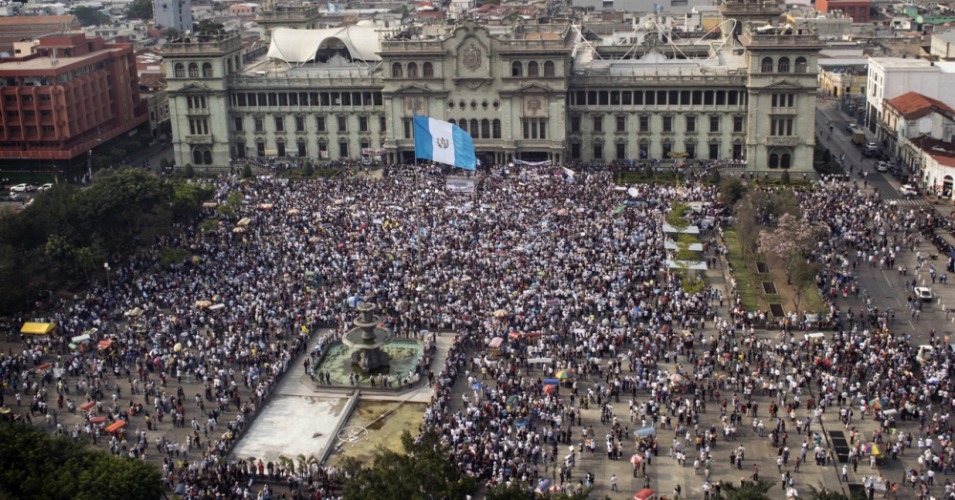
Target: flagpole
(414,149)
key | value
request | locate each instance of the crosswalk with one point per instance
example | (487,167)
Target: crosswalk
(908,202)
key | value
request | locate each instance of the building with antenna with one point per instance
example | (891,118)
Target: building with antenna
(649,88)
(66,97)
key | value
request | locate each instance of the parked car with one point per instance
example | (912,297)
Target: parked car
(924,294)
(46,187)
(883,166)
(21,188)
(908,191)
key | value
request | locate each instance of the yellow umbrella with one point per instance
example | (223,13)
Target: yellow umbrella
(564,375)
(177,347)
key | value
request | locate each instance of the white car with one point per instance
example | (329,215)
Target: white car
(45,187)
(924,294)
(882,166)
(908,190)
(20,188)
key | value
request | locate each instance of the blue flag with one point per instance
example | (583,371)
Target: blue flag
(443,142)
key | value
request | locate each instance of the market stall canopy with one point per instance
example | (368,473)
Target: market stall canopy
(134,312)
(105,344)
(645,494)
(693,247)
(689,264)
(301,46)
(495,342)
(79,339)
(687,230)
(115,426)
(646,431)
(245,221)
(32,328)
(210,204)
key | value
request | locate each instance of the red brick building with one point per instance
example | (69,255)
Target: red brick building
(858,10)
(71,94)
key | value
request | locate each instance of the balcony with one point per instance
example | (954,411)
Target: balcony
(197,112)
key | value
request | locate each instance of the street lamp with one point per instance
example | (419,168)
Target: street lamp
(109,285)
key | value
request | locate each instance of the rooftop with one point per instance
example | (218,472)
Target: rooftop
(913,105)
(50,64)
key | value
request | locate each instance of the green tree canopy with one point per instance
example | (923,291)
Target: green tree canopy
(88,16)
(140,9)
(67,234)
(35,465)
(422,472)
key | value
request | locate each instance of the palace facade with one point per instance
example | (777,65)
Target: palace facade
(557,91)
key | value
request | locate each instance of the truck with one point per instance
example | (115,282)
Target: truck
(858,137)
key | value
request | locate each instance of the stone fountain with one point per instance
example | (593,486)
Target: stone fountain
(366,339)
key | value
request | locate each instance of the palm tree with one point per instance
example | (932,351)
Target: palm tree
(821,493)
(747,490)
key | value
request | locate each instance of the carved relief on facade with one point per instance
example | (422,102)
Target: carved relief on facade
(415,105)
(535,105)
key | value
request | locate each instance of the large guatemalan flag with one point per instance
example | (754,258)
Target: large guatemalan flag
(443,142)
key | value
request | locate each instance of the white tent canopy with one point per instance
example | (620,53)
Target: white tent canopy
(299,46)
(689,265)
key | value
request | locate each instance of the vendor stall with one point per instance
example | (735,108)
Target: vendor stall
(34,328)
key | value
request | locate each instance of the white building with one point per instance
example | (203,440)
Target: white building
(175,14)
(891,77)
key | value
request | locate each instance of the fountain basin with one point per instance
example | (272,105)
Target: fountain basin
(404,354)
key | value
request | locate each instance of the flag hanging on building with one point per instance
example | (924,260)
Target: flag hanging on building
(443,142)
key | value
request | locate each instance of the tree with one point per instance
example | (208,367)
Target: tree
(246,171)
(36,465)
(788,242)
(308,170)
(822,493)
(208,227)
(731,190)
(676,217)
(803,276)
(139,9)
(170,34)
(784,178)
(207,27)
(88,16)
(423,471)
(747,490)
(188,171)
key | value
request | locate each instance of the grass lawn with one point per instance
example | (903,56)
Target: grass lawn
(745,277)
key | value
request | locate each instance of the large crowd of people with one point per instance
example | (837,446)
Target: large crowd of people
(556,286)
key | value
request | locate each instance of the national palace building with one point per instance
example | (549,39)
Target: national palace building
(561,91)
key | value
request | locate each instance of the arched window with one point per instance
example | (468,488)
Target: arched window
(485,129)
(774,160)
(785,161)
(783,65)
(229,65)
(207,157)
(801,65)
(427,70)
(767,65)
(193,70)
(463,125)
(532,69)
(452,122)
(412,70)
(517,69)
(496,129)
(474,128)
(206,70)
(396,70)
(548,68)
(180,70)
(197,156)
